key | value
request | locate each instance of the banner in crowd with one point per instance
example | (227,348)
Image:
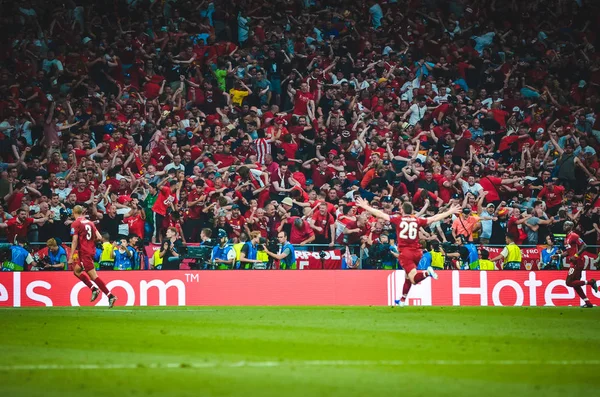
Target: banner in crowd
(310,260)
(288,287)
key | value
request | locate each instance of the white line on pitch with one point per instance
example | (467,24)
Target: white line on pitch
(316,363)
(105,309)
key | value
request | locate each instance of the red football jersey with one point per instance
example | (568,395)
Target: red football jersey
(86,233)
(407,230)
(237,226)
(572,244)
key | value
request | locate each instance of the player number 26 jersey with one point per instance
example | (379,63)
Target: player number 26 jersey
(407,230)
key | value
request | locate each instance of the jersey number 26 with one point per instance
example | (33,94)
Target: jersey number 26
(408,230)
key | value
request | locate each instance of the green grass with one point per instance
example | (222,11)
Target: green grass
(338,351)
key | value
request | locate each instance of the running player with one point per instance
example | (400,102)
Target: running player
(407,236)
(574,246)
(85,234)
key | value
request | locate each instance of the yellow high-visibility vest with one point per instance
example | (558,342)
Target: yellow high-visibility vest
(107,249)
(486,264)
(437,259)
(514,253)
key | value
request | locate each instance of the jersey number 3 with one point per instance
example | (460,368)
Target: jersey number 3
(408,230)
(88,232)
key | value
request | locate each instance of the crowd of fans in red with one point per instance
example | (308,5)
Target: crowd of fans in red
(257,116)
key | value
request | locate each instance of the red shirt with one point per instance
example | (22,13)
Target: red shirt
(500,116)
(491,184)
(237,226)
(301,102)
(84,196)
(323,221)
(445,193)
(15,201)
(573,244)
(299,235)
(320,177)
(86,233)
(17,229)
(407,230)
(515,229)
(195,211)
(164,199)
(226,160)
(136,225)
(261,224)
(552,198)
(290,150)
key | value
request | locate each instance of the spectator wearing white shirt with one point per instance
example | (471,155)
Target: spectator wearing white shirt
(51,63)
(175,165)
(470,185)
(62,190)
(416,112)
(495,98)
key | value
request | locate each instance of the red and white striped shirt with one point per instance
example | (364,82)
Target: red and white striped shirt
(263,147)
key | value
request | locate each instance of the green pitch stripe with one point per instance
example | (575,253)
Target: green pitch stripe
(307,363)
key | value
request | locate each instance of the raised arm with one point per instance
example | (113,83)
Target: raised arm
(364,204)
(455,209)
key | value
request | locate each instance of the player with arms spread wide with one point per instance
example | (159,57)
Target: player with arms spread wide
(574,247)
(407,236)
(85,234)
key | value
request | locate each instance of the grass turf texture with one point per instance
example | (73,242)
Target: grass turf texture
(257,351)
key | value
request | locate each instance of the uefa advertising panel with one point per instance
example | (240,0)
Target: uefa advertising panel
(298,288)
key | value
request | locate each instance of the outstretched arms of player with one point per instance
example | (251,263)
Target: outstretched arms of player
(364,204)
(455,209)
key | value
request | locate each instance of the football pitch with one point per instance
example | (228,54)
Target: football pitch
(299,351)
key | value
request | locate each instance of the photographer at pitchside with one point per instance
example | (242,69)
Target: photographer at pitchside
(286,255)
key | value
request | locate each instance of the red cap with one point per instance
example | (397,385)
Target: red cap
(124,199)
(106,137)
(334,152)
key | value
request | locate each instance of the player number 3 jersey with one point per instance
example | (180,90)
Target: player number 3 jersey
(86,233)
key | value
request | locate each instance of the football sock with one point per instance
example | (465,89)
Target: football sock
(419,277)
(86,280)
(405,289)
(102,286)
(576,283)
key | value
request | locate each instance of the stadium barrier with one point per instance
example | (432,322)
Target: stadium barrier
(321,256)
(274,288)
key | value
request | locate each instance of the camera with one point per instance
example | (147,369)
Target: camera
(261,243)
(378,254)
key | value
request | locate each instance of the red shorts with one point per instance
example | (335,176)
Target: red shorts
(576,266)
(409,258)
(87,262)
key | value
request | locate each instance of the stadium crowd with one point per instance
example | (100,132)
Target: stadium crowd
(173,121)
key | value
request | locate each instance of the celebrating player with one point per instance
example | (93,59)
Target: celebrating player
(85,235)
(407,236)
(574,246)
